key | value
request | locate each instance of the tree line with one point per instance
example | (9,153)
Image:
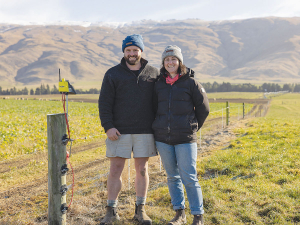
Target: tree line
(43,90)
(209,87)
(247,87)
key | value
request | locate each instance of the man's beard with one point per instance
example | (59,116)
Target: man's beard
(136,61)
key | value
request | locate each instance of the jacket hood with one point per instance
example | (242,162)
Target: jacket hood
(191,72)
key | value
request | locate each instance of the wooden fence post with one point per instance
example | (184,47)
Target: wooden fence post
(56,129)
(243,110)
(227,113)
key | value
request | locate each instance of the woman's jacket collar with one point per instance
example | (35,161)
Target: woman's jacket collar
(190,73)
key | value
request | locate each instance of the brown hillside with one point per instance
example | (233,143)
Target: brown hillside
(253,50)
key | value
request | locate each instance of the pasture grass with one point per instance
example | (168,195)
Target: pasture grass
(236,109)
(256,179)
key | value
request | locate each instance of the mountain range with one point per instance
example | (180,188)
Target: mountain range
(254,50)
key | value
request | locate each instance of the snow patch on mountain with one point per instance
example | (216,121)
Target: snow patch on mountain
(147,23)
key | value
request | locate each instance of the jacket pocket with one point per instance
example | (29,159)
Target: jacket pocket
(194,124)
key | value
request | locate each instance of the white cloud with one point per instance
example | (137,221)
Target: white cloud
(263,8)
(40,11)
(288,8)
(179,11)
(31,11)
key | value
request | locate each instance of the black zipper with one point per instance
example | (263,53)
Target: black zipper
(169,114)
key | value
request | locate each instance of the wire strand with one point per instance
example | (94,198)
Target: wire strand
(73,183)
(68,154)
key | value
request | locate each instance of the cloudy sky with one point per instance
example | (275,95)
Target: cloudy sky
(47,11)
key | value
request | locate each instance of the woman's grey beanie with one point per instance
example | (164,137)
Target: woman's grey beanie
(172,50)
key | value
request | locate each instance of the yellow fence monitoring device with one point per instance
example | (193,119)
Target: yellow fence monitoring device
(64,86)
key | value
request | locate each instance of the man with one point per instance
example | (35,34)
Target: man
(126,114)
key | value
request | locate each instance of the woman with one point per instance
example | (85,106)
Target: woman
(181,108)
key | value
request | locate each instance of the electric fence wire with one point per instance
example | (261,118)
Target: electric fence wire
(68,154)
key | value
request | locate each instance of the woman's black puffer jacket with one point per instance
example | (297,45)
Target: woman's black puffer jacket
(181,109)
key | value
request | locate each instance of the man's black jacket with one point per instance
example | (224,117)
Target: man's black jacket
(125,100)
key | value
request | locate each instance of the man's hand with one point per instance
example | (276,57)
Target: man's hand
(113,134)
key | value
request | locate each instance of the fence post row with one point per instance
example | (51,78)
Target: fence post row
(227,113)
(57,169)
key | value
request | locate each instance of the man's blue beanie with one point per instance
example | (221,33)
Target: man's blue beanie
(135,40)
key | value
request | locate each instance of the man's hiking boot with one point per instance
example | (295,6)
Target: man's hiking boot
(141,216)
(179,218)
(110,217)
(198,220)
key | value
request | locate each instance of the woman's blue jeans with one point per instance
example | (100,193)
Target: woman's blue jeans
(179,162)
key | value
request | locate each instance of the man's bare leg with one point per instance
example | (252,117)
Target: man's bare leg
(114,185)
(114,181)
(142,177)
(141,187)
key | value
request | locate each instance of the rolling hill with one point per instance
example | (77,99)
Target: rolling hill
(252,50)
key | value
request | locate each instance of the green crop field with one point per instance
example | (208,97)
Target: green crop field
(254,179)
(23,124)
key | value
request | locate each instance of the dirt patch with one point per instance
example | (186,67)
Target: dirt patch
(220,139)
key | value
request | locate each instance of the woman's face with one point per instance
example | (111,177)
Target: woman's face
(171,63)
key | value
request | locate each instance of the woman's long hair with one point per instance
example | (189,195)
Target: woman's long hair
(181,69)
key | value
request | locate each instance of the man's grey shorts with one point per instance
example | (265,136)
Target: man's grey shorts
(142,145)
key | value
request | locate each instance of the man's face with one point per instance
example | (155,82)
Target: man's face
(132,55)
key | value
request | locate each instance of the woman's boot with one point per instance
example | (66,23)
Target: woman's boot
(180,218)
(198,220)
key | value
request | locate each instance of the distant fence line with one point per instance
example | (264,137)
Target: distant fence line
(271,94)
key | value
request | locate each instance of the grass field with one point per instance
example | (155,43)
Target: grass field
(254,179)
(23,124)
(23,136)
